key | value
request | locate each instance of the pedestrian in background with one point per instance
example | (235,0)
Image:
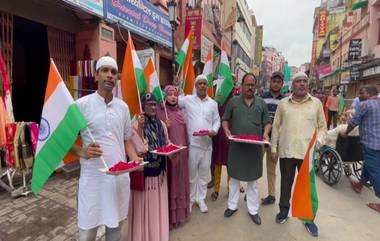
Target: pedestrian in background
(332,108)
(272,99)
(367,117)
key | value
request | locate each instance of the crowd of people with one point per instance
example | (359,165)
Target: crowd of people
(163,195)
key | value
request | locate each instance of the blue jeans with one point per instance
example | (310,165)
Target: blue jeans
(371,168)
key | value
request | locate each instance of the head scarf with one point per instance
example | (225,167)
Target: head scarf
(155,134)
(174,112)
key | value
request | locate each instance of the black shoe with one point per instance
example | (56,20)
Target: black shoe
(268,200)
(256,219)
(210,184)
(281,217)
(229,212)
(245,197)
(312,229)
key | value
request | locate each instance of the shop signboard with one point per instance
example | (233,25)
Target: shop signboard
(206,45)
(355,49)
(355,73)
(142,18)
(92,6)
(322,23)
(145,55)
(194,23)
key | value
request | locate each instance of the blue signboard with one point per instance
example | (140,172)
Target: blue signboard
(92,6)
(142,18)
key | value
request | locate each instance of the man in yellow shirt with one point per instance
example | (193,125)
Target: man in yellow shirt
(296,119)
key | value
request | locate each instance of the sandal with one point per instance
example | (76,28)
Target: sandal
(374,206)
(214,196)
(242,190)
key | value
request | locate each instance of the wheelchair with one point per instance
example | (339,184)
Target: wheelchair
(347,157)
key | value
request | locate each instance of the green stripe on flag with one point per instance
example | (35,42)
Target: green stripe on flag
(228,83)
(57,146)
(141,83)
(180,59)
(158,93)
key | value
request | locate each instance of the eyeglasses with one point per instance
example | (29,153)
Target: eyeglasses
(249,85)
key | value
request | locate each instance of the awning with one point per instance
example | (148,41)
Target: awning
(359,4)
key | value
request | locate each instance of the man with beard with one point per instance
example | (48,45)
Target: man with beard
(296,119)
(272,98)
(246,114)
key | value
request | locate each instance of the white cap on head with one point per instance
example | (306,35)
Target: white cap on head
(300,75)
(199,77)
(106,61)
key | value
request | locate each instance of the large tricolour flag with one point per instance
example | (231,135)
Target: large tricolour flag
(60,124)
(152,80)
(225,82)
(305,199)
(207,70)
(133,84)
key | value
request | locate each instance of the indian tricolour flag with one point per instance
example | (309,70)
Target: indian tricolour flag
(152,80)
(225,82)
(305,199)
(133,84)
(60,124)
(207,70)
(181,56)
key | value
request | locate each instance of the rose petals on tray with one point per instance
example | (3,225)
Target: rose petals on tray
(168,150)
(249,137)
(122,166)
(201,133)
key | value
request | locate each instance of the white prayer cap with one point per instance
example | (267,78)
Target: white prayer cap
(199,77)
(300,75)
(106,61)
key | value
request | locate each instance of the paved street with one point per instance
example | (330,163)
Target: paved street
(342,216)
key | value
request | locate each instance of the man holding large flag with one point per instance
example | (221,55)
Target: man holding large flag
(103,199)
(297,118)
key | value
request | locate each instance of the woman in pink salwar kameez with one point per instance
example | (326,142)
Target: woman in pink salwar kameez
(148,216)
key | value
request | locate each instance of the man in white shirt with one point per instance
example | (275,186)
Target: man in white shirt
(201,113)
(103,199)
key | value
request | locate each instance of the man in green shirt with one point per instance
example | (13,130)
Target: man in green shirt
(246,114)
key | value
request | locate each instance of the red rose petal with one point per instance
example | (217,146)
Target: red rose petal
(122,166)
(166,149)
(249,137)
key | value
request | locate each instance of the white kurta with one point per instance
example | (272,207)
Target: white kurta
(200,115)
(103,199)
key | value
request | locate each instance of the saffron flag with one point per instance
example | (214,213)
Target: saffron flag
(207,70)
(225,82)
(153,83)
(60,124)
(133,84)
(187,75)
(305,199)
(7,98)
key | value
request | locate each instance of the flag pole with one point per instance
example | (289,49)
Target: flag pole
(93,140)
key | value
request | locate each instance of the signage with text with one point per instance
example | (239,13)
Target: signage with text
(142,18)
(322,23)
(92,6)
(355,49)
(194,23)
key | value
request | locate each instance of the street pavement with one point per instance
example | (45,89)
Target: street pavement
(51,216)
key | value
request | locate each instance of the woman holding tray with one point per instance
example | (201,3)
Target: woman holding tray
(148,215)
(178,170)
